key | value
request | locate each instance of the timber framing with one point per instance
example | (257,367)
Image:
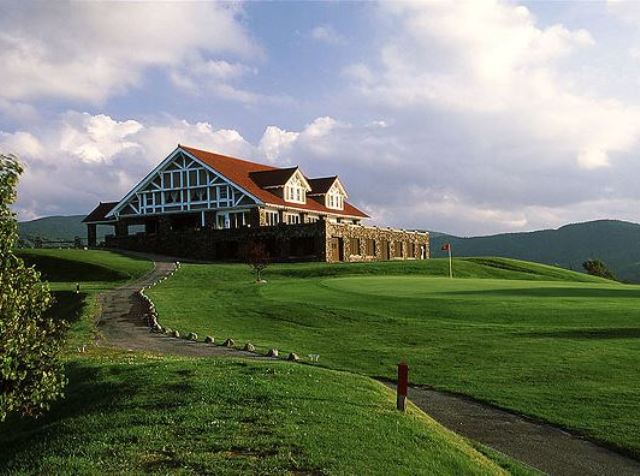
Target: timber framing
(199,204)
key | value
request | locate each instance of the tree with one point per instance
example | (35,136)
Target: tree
(257,256)
(77,242)
(596,267)
(31,374)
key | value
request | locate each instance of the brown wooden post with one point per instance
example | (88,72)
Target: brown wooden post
(403,385)
(92,236)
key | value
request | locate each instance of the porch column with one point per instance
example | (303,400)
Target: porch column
(92,236)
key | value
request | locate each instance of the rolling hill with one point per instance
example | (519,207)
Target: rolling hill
(54,228)
(615,242)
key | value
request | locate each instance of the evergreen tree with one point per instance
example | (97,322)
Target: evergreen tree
(31,375)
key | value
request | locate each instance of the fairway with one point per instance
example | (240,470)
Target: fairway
(549,343)
(132,412)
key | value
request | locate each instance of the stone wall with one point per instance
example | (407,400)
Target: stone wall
(319,241)
(303,242)
(374,243)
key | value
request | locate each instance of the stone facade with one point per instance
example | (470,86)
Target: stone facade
(316,241)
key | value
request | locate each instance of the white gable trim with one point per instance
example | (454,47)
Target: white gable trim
(302,178)
(151,175)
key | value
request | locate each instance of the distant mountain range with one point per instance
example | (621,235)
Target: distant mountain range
(615,242)
(56,228)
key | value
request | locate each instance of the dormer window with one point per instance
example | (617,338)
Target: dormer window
(296,188)
(335,197)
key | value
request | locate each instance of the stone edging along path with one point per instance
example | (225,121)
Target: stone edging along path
(129,320)
(127,314)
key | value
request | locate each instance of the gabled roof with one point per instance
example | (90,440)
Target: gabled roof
(99,214)
(243,173)
(322,185)
(273,178)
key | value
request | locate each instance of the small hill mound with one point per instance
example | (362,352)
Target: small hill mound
(614,242)
(488,268)
(214,416)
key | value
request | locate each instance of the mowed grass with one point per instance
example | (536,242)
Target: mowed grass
(134,413)
(546,342)
(94,270)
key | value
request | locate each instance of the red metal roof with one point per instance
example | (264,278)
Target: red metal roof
(243,172)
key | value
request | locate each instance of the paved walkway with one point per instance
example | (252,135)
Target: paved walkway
(545,447)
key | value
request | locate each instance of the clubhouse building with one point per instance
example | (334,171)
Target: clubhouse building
(198,204)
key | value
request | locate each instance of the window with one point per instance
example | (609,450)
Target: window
(371,247)
(292,218)
(312,218)
(273,218)
(238,219)
(412,250)
(354,243)
(224,193)
(295,190)
(335,199)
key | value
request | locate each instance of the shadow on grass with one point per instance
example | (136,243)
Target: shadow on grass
(92,392)
(552,292)
(67,305)
(591,333)
(53,268)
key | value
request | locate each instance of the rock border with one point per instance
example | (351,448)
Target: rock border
(151,319)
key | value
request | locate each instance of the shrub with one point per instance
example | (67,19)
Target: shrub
(209,340)
(192,336)
(31,375)
(597,267)
(229,343)
(176,334)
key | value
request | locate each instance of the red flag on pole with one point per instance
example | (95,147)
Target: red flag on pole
(446,247)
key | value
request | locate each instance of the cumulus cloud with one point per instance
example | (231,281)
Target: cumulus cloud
(492,61)
(88,51)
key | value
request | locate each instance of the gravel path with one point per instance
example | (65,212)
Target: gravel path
(545,447)
(121,323)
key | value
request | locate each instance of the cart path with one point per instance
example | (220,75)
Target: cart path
(542,446)
(545,447)
(121,323)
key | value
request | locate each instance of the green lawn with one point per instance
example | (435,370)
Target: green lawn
(94,270)
(550,343)
(133,414)
(142,413)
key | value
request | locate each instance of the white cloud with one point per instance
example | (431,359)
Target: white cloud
(89,51)
(327,34)
(275,142)
(491,61)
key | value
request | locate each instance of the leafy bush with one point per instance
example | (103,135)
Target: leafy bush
(596,267)
(31,375)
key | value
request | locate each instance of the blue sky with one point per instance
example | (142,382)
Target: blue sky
(467,117)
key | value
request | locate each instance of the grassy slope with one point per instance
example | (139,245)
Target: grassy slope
(551,346)
(95,271)
(131,413)
(136,414)
(613,241)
